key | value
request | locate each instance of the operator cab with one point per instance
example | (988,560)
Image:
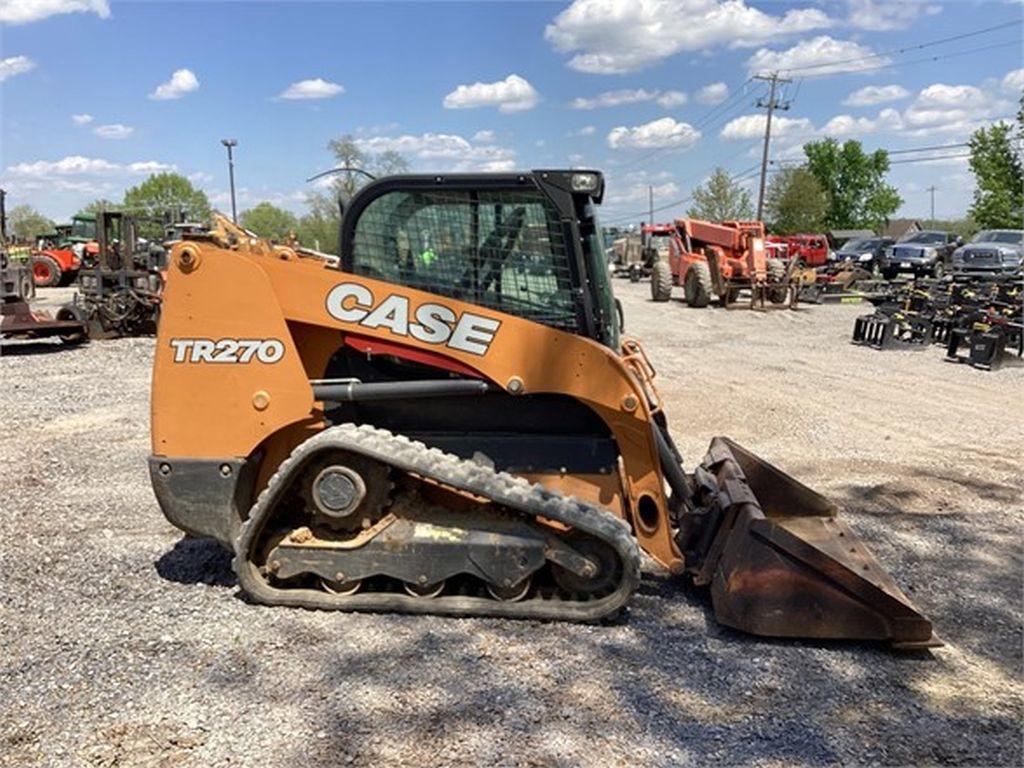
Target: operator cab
(526,244)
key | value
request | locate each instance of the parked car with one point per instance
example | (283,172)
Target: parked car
(866,252)
(928,252)
(991,252)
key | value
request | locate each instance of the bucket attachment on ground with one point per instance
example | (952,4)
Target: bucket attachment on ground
(881,331)
(780,564)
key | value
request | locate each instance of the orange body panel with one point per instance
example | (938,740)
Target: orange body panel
(210,409)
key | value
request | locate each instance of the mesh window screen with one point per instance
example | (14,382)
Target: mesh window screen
(502,250)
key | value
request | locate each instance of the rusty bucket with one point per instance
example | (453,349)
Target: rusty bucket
(780,564)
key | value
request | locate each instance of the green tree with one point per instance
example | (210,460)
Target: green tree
(163,193)
(267,220)
(348,154)
(320,228)
(795,202)
(100,204)
(721,199)
(998,178)
(26,223)
(854,181)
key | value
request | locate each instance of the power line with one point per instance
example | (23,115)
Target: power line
(927,149)
(727,106)
(906,49)
(930,159)
(929,59)
(741,176)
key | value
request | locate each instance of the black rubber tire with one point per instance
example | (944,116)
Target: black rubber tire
(939,269)
(53,271)
(697,286)
(73,312)
(661,281)
(778,291)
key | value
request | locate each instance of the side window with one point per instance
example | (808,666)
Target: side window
(502,250)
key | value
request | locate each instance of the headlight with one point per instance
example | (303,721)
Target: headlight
(929,252)
(584,182)
(865,257)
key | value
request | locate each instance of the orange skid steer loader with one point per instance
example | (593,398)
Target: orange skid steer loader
(448,421)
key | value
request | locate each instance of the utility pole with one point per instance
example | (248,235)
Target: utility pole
(650,203)
(931,189)
(771,104)
(231,143)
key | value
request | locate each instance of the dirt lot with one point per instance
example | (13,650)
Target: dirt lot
(124,644)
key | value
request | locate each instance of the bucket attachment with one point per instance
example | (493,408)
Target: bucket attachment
(780,564)
(881,331)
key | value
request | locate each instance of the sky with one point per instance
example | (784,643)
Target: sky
(97,94)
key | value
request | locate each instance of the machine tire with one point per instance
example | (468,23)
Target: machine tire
(697,286)
(73,312)
(661,281)
(46,272)
(938,269)
(778,291)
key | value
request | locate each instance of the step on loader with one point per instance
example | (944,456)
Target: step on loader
(449,421)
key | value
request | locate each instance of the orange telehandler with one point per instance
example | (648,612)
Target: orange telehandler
(711,259)
(448,421)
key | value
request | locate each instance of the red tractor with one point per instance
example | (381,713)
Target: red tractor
(808,250)
(58,256)
(711,259)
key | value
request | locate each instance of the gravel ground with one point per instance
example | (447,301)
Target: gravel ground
(126,645)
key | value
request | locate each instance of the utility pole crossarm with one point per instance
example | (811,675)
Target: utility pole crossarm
(771,104)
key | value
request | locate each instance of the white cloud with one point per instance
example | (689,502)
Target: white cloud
(620,36)
(876,94)
(711,94)
(752,126)
(83,119)
(484,137)
(513,94)
(200,177)
(887,15)
(77,165)
(15,65)
(586,130)
(443,151)
(25,11)
(1013,82)
(666,99)
(671,99)
(953,110)
(317,88)
(113,131)
(182,81)
(613,99)
(888,120)
(817,53)
(656,134)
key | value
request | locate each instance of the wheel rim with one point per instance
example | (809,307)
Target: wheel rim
(512,594)
(425,591)
(41,272)
(342,588)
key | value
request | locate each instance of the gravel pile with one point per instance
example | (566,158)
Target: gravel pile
(126,645)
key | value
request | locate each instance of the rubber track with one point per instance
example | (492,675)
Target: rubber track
(510,491)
